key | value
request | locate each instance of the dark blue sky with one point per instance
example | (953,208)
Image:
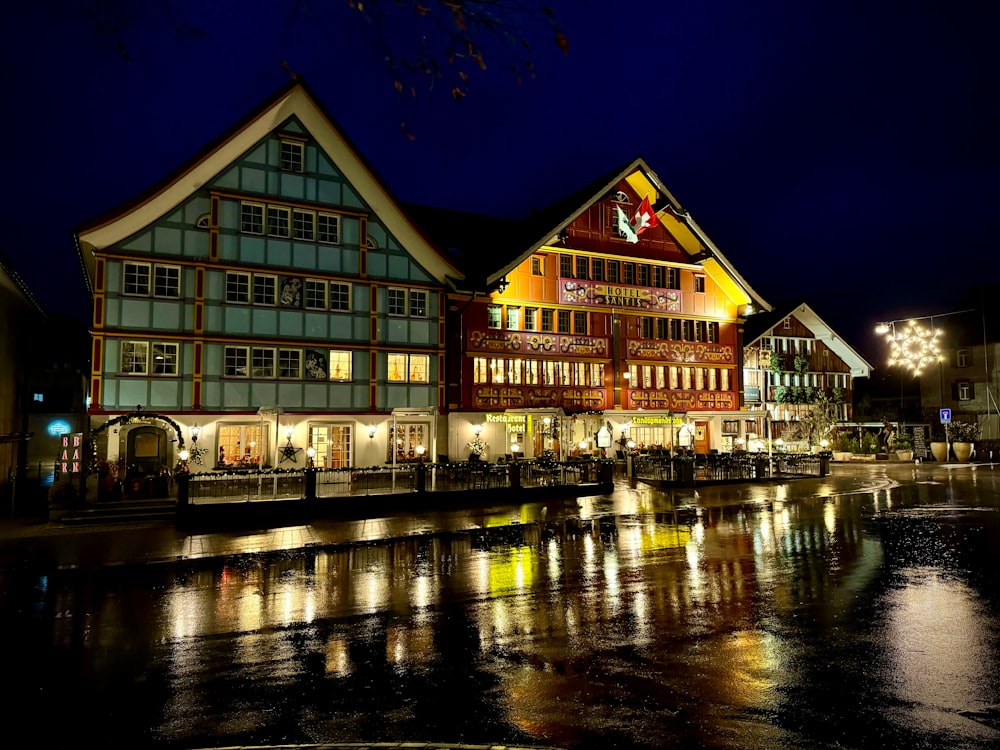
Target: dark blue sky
(838,153)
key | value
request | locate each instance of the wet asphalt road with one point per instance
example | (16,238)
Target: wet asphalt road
(860,610)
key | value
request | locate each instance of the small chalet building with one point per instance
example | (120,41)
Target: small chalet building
(789,356)
(605,318)
(268,297)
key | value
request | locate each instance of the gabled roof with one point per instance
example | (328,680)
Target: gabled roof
(760,325)
(547,224)
(294,99)
(12,280)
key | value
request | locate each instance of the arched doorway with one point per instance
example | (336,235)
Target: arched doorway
(147,471)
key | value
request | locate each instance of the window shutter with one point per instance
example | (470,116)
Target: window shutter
(972,390)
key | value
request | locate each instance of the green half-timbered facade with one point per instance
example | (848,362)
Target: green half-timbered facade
(267,298)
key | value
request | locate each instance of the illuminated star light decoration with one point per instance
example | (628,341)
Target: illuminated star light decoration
(913,347)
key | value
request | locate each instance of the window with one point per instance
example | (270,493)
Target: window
(687,330)
(628,273)
(537,269)
(530,318)
(675,329)
(699,330)
(39,397)
(291,156)
(580,323)
(658,275)
(962,358)
(513,318)
(531,372)
(328,228)
(566,266)
(564,321)
(786,323)
(262,363)
(303,225)
(397,302)
(493,316)
(340,365)
(646,327)
(730,427)
(964,391)
(332,443)
(252,218)
(289,364)
(418,303)
(278,221)
(713,333)
(406,438)
(480,370)
(661,328)
(237,287)
(243,444)
(699,283)
(582,267)
(135,277)
(547,320)
(265,289)
(340,296)
(135,357)
(597,375)
(166,281)
(164,358)
(409,368)
(673,278)
(597,269)
(315,294)
(235,362)
(613,268)
(643,274)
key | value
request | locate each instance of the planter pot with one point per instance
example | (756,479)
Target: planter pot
(904,455)
(841,456)
(963,451)
(940,451)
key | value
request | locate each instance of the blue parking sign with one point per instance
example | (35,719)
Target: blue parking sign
(946,416)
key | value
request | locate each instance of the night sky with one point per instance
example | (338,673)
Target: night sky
(845,154)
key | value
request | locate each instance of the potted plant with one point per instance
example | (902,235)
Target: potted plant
(904,446)
(939,446)
(963,437)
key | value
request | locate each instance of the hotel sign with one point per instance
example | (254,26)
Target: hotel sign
(574,292)
(526,342)
(682,351)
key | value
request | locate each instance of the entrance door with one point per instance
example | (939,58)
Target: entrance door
(702,440)
(146,462)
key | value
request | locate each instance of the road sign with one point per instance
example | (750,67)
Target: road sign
(946,416)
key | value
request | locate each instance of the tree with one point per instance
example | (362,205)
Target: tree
(819,419)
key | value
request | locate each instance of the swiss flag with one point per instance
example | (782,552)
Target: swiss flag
(645,217)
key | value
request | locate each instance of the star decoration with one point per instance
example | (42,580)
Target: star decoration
(196,454)
(290,452)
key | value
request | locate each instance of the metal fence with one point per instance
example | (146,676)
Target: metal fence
(729,467)
(248,486)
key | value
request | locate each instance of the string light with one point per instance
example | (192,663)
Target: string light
(913,346)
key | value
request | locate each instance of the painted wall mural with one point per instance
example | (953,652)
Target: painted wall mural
(682,400)
(576,292)
(521,397)
(537,343)
(682,351)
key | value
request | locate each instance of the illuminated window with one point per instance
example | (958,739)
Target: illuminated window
(493,313)
(408,368)
(661,377)
(291,156)
(548,373)
(597,375)
(404,439)
(530,318)
(513,318)
(243,444)
(340,365)
(965,391)
(699,378)
(514,371)
(480,370)
(674,374)
(332,443)
(562,374)
(686,377)
(712,381)
(724,380)
(531,369)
